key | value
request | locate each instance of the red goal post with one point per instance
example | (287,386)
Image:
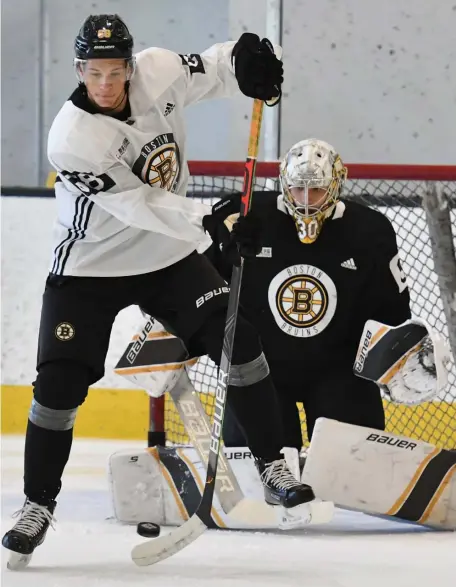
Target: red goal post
(395,190)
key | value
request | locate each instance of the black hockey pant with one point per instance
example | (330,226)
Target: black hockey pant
(76,322)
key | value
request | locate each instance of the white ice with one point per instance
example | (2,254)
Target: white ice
(89,549)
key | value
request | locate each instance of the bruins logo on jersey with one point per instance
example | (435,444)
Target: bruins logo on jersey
(303,300)
(158,164)
(64,331)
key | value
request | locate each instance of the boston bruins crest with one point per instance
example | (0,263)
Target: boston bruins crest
(158,164)
(303,299)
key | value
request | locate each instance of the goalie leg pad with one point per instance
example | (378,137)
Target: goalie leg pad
(140,491)
(164,486)
(380,473)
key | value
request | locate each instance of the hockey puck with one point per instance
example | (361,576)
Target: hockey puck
(148,529)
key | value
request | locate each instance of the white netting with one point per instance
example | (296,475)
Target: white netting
(400,200)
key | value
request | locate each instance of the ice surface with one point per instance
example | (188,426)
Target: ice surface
(89,549)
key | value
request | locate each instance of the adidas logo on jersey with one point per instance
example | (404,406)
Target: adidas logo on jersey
(169,108)
(349,264)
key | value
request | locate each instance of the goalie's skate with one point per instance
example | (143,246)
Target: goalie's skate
(299,507)
(28,533)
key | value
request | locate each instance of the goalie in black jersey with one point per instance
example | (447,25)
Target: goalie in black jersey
(324,267)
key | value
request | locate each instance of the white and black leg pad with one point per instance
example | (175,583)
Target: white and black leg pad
(380,473)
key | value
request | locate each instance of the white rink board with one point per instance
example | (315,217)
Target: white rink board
(88,549)
(26,252)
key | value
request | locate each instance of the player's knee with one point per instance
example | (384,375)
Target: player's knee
(245,373)
(60,388)
(248,364)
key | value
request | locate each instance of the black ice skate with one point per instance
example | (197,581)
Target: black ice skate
(280,485)
(28,533)
(299,505)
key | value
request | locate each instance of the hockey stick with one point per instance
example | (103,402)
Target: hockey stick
(253,513)
(160,548)
(135,364)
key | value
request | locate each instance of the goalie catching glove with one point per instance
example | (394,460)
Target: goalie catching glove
(409,362)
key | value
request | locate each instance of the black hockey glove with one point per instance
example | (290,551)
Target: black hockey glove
(220,211)
(244,240)
(226,206)
(244,237)
(258,71)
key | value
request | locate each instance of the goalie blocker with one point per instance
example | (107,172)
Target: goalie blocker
(409,361)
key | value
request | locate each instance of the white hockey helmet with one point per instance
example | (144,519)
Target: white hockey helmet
(311,164)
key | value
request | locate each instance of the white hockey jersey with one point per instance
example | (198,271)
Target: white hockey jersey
(121,185)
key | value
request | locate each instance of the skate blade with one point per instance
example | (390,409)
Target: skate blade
(313,512)
(18,561)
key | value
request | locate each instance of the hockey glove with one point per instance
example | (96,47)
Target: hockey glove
(234,236)
(244,240)
(258,71)
(220,211)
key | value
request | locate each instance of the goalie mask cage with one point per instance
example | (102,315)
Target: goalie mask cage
(396,191)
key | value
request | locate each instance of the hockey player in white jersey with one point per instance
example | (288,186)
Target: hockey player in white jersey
(125,234)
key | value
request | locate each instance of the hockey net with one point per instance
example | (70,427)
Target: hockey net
(397,192)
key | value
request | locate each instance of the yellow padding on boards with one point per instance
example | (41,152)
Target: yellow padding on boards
(124,414)
(106,413)
(433,422)
(50,180)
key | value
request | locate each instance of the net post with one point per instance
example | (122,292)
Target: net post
(437,206)
(156,433)
(271,137)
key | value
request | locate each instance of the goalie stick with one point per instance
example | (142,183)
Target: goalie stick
(160,548)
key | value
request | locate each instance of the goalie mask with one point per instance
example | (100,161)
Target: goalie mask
(311,175)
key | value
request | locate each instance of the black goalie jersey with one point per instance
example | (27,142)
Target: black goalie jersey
(310,302)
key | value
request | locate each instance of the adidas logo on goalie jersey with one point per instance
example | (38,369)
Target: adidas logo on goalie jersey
(349,264)
(169,108)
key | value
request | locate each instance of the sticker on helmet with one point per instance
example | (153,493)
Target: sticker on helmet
(104,33)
